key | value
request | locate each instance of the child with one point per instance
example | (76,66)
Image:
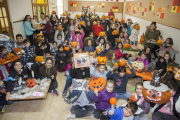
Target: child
(59,39)
(120,80)
(101,100)
(148,53)
(129,28)
(127,41)
(111,37)
(121,36)
(167,111)
(92,59)
(161,64)
(143,58)
(97,28)
(123,113)
(167,57)
(168,46)
(28,51)
(168,78)
(91,35)
(119,52)
(111,59)
(43,49)
(19,41)
(80,50)
(78,36)
(40,39)
(61,58)
(104,24)
(70,28)
(101,42)
(125,33)
(107,48)
(89,44)
(134,34)
(87,28)
(141,102)
(54,50)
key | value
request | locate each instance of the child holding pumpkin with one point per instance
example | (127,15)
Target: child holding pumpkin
(107,48)
(111,59)
(119,52)
(134,33)
(89,44)
(101,100)
(44,47)
(101,42)
(143,58)
(126,36)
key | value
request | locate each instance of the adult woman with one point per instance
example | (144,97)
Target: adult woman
(28,28)
(43,22)
(48,70)
(34,23)
(151,35)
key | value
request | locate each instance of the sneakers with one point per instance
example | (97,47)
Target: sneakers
(67,100)
(55,91)
(64,93)
(4,109)
(71,116)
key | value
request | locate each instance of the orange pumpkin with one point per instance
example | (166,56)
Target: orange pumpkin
(18,51)
(83,14)
(107,16)
(30,83)
(74,44)
(39,34)
(78,15)
(102,59)
(53,12)
(82,23)
(99,49)
(138,66)
(116,64)
(103,17)
(66,48)
(102,34)
(122,63)
(137,27)
(97,83)
(118,40)
(112,17)
(142,39)
(60,27)
(39,59)
(126,46)
(115,32)
(122,21)
(128,19)
(113,101)
(116,19)
(159,42)
(9,56)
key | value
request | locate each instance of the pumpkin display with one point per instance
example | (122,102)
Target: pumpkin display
(115,32)
(122,21)
(142,39)
(102,34)
(82,23)
(99,49)
(78,15)
(128,19)
(177,75)
(74,44)
(126,46)
(18,51)
(83,14)
(60,27)
(137,27)
(9,56)
(102,59)
(97,83)
(39,59)
(112,17)
(116,64)
(103,17)
(30,83)
(118,40)
(66,48)
(53,12)
(113,101)
(122,62)
(159,42)
(138,66)
(116,19)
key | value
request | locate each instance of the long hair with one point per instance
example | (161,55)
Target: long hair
(25,18)
(110,53)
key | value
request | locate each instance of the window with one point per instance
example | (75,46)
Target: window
(60,7)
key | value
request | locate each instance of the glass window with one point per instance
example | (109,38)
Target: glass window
(6,22)
(4,11)
(59,2)
(39,13)
(2,22)
(0,12)
(60,11)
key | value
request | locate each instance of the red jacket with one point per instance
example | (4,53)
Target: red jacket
(119,54)
(97,29)
(47,28)
(110,14)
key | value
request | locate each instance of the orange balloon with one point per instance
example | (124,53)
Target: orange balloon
(113,100)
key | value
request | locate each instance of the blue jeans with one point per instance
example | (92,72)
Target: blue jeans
(73,93)
(123,95)
(4,102)
(68,84)
(132,43)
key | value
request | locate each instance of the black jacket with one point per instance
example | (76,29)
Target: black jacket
(61,56)
(80,74)
(111,37)
(4,88)
(87,30)
(40,52)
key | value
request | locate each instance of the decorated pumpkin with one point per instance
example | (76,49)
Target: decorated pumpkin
(39,59)
(103,17)
(112,17)
(9,56)
(116,64)
(122,62)
(137,27)
(138,66)
(82,23)
(142,39)
(102,59)
(118,40)
(60,27)
(177,75)
(126,46)
(99,49)
(113,101)
(83,14)
(122,21)
(159,42)
(74,44)
(30,83)
(53,12)
(115,32)
(97,83)
(66,48)
(18,51)
(116,19)
(128,19)
(102,34)
(78,15)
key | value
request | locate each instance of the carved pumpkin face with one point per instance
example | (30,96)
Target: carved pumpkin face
(78,15)
(115,32)
(122,21)
(138,66)
(30,83)
(74,44)
(18,51)
(9,56)
(102,59)
(99,49)
(66,48)
(39,59)
(122,63)
(112,17)
(113,101)
(116,19)
(137,27)
(177,75)
(159,42)
(53,12)
(118,40)
(102,34)
(82,23)
(97,83)
(142,39)
(126,46)
(103,17)
(59,27)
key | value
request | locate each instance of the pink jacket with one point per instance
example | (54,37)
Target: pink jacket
(146,62)
(119,54)
(80,38)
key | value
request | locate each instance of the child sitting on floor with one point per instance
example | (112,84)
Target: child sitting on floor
(44,47)
(19,41)
(107,48)
(89,44)
(111,59)
(143,58)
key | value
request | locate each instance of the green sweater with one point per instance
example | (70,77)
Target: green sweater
(150,35)
(111,64)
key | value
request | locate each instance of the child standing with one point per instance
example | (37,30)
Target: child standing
(120,79)
(89,45)
(54,50)
(143,58)
(59,39)
(101,42)
(134,34)
(125,33)
(129,28)
(111,59)
(101,100)
(19,41)
(121,36)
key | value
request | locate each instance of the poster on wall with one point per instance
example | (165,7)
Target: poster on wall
(160,13)
(151,6)
(130,7)
(176,6)
(101,5)
(144,10)
(114,9)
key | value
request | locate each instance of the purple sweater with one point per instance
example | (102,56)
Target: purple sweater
(80,38)
(102,100)
(146,62)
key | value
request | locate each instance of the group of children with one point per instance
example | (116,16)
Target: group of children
(59,52)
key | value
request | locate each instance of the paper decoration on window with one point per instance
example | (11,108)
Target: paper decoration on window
(72,4)
(134,10)
(130,7)
(151,5)
(101,5)
(176,6)
(144,10)
(114,9)
(160,13)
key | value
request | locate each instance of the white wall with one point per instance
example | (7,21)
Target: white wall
(52,6)
(17,11)
(165,32)
(98,0)
(65,5)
